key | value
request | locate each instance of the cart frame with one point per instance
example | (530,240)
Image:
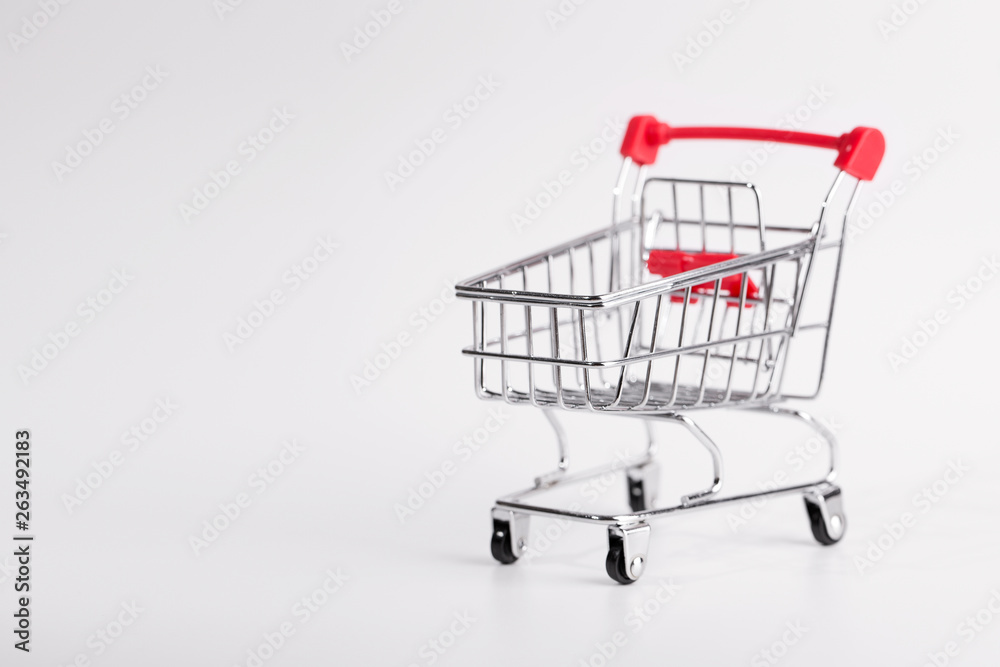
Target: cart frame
(644,380)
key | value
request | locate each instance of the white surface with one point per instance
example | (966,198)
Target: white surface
(162,337)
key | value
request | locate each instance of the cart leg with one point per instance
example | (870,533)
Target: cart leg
(561,443)
(510,535)
(627,549)
(816,425)
(824,504)
(716,455)
(826,513)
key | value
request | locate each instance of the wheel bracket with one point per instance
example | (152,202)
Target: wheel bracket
(635,545)
(518,525)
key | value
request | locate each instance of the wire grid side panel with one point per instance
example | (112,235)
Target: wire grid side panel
(695,347)
(701,216)
(708,350)
(562,338)
(583,268)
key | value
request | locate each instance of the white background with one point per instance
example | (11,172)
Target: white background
(560,84)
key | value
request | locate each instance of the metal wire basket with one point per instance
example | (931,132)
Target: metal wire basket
(687,301)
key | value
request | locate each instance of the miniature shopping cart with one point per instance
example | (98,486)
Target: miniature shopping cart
(686,302)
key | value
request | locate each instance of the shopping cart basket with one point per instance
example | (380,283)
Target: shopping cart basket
(686,302)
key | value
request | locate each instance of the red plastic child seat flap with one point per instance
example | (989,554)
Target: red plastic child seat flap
(667,263)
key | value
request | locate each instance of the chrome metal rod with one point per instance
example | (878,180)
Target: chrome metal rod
(713,450)
(646,515)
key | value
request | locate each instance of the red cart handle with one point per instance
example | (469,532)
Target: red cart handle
(859,152)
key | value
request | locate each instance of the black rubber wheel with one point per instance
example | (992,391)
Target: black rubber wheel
(818,525)
(501,546)
(636,495)
(615,562)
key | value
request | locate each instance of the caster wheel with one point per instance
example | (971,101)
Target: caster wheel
(627,549)
(826,515)
(615,562)
(637,495)
(642,485)
(502,544)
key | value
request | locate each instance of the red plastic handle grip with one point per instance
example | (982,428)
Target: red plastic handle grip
(859,152)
